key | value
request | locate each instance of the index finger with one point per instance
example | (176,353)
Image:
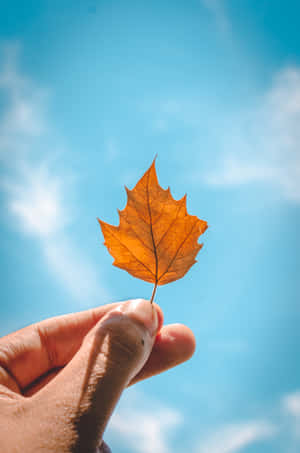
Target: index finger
(35,350)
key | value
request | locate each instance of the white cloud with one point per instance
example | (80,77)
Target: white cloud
(34,189)
(235,171)
(263,146)
(145,427)
(279,424)
(22,115)
(291,403)
(35,198)
(22,119)
(232,438)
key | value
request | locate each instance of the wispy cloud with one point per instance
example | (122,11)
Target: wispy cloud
(22,115)
(34,195)
(279,425)
(232,438)
(263,147)
(218,11)
(145,427)
(291,403)
(35,191)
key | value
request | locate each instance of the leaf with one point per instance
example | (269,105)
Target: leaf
(156,240)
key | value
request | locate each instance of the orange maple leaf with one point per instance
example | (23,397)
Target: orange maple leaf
(156,240)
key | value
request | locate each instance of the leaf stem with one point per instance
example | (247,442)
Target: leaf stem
(153,293)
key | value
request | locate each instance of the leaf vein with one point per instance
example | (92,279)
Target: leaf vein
(143,264)
(151,231)
(177,251)
(137,236)
(171,224)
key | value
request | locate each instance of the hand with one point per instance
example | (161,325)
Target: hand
(60,379)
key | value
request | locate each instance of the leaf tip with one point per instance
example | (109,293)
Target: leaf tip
(152,166)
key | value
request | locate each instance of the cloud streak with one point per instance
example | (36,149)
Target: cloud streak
(34,196)
(35,191)
(291,403)
(280,424)
(264,147)
(144,427)
(232,438)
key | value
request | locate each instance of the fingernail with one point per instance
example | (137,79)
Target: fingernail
(143,311)
(104,448)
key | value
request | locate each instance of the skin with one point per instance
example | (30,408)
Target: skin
(61,378)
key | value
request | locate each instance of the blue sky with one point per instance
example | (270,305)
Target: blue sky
(89,93)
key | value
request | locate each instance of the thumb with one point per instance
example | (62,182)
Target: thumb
(83,395)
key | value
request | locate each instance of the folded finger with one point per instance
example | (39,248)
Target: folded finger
(36,350)
(173,345)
